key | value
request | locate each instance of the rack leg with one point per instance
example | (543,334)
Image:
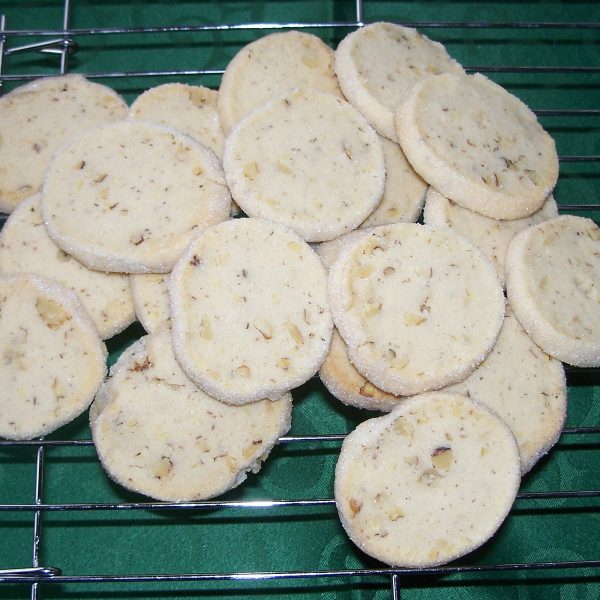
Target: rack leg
(37,518)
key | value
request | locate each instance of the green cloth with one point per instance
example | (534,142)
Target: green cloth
(310,538)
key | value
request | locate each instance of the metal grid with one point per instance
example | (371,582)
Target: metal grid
(61,42)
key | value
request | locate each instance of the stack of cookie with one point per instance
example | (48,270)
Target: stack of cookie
(338,150)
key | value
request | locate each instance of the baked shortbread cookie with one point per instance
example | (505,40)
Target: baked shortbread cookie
(419,307)
(191,109)
(404,191)
(271,66)
(25,247)
(478,145)
(249,311)
(377,66)
(345,383)
(159,434)
(429,482)
(534,404)
(150,293)
(307,160)
(329,251)
(552,275)
(129,197)
(38,119)
(491,236)
(52,358)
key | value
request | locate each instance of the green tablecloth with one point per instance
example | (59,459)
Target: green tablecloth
(310,538)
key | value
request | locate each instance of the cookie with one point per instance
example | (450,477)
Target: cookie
(52,358)
(404,191)
(191,109)
(249,311)
(346,384)
(552,275)
(419,307)
(150,294)
(158,434)
(429,482)
(329,251)
(491,236)
(25,247)
(534,403)
(129,197)
(38,119)
(307,160)
(271,66)
(377,66)
(478,145)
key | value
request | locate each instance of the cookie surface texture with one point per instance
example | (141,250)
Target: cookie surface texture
(377,66)
(320,170)
(271,66)
(129,197)
(150,294)
(419,307)
(429,482)
(25,247)
(491,236)
(552,275)
(191,109)
(52,358)
(478,145)
(33,131)
(249,311)
(534,404)
(158,434)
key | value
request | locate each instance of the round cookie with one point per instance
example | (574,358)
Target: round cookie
(158,434)
(329,251)
(271,66)
(552,275)
(129,197)
(429,482)
(404,191)
(25,247)
(491,236)
(52,358)
(307,160)
(249,311)
(346,384)
(191,109)
(38,119)
(525,387)
(478,145)
(377,66)
(150,292)
(419,307)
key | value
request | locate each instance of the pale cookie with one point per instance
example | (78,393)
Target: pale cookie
(419,307)
(525,387)
(249,311)
(478,145)
(552,275)
(329,251)
(129,197)
(377,66)
(271,66)
(491,236)
(159,434)
(38,119)
(151,299)
(52,358)
(345,383)
(25,247)
(404,191)
(191,109)
(307,160)
(429,482)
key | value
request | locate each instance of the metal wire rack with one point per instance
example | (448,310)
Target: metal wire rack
(40,578)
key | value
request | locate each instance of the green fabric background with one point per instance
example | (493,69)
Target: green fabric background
(310,538)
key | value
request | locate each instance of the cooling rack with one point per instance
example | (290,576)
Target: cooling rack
(67,532)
